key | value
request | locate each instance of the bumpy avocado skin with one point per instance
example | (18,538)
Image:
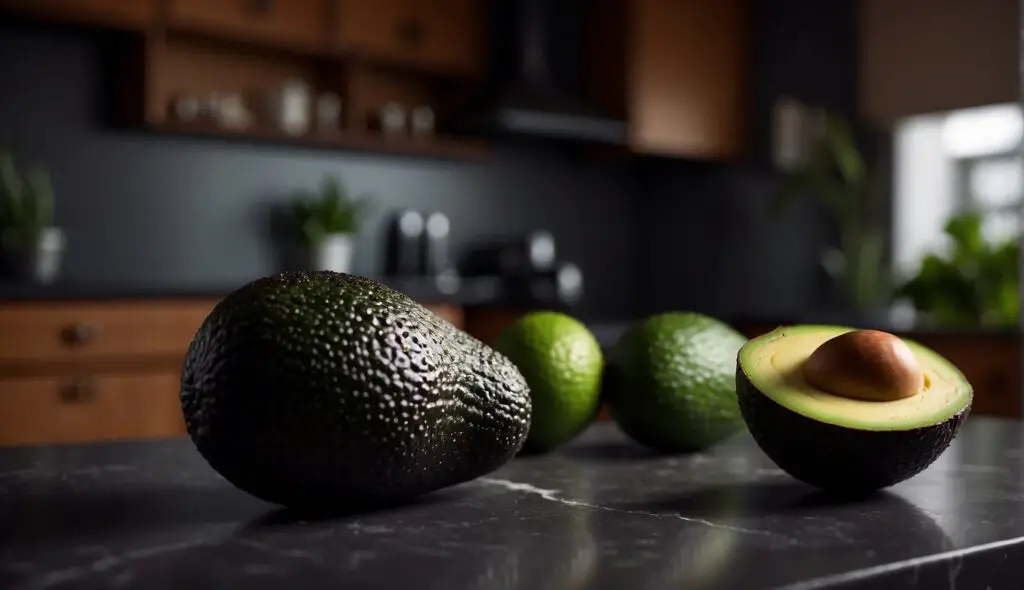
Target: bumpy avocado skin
(669,382)
(326,390)
(836,459)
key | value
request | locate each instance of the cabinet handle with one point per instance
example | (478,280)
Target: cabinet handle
(411,32)
(79,334)
(260,7)
(78,391)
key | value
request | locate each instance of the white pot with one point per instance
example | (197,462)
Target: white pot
(335,253)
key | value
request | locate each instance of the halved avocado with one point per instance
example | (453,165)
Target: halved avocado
(837,443)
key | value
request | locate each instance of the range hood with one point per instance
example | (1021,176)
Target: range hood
(533,88)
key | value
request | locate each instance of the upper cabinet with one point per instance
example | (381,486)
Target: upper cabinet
(129,14)
(440,35)
(919,56)
(295,23)
(677,70)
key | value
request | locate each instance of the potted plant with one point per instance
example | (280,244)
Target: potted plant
(328,221)
(977,283)
(835,173)
(30,244)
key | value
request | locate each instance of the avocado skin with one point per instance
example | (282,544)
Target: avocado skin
(668,382)
(836,459)
(326,390)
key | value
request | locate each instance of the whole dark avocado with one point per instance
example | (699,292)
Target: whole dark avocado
(326,390)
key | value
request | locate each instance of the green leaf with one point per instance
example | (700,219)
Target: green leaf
(965,231)
(843,148)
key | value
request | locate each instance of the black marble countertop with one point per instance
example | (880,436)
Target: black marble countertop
(599,514)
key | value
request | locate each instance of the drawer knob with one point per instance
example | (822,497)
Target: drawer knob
(260,7)
(78,391)
(411,32)
(80,334)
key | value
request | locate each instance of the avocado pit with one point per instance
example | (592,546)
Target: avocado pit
(866,365)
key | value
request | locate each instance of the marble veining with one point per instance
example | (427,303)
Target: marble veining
(553,496)
(601,513)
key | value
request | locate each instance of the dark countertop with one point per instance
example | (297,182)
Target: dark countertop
(601,513)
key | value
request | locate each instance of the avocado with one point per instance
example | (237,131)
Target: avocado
(671,382)
(325,390)
(865,431)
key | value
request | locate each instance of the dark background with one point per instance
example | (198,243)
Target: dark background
(649,234)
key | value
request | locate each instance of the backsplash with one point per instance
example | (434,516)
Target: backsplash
(155,210)
(158,210)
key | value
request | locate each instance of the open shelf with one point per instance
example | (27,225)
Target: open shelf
(175,70)
(437,147)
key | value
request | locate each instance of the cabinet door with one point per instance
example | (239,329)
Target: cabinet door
(87,408)
(437,35)
(298,23)
(130,14)
(687,77)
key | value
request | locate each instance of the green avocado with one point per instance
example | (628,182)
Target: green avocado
(838,443)
(671,382)
(327,390)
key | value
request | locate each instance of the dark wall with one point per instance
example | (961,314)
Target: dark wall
(710,237)
(651,236)
(154,210)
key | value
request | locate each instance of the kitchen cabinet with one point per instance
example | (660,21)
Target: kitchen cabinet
(924,56)
(676,70)
(90,407)
(130,14)
(440,35)
(295,23)
(82,371)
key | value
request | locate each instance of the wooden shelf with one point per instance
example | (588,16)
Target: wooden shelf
(434,147)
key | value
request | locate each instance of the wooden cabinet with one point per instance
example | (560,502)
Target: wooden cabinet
(677,70)
(77,371)
(131,14)
(59,331)
(298,23)
(442,35)
(925,56)
(90,407)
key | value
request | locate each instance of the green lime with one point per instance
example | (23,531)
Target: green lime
(562,363)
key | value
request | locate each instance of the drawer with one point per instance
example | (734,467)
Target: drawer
(59,331)
(443,35)
(114,13)
(90,408)
(301,23)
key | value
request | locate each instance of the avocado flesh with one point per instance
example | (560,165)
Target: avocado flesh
(838,443)
(325,390)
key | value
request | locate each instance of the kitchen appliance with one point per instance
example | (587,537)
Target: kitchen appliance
(560,285)
(436,259)
(515,256)
(535,86)
(405,241)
